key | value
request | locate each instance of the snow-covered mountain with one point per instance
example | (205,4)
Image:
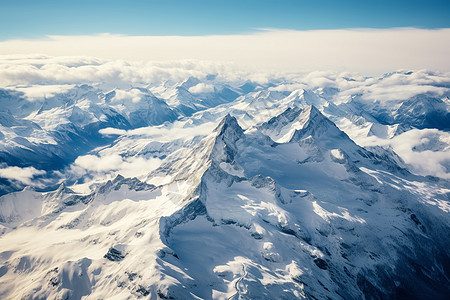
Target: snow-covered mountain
(205,188)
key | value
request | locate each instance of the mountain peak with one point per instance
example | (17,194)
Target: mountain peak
(302,97)
(315,124)
(228,133)
(190,82)
(229,124)
(282,127)
(314,115)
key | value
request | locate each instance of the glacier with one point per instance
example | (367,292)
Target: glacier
(295,187)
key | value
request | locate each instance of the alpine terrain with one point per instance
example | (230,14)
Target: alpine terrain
(207,186)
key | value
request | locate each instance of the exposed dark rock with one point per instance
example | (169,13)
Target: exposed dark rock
(322,264)
(142,290)
(114,255)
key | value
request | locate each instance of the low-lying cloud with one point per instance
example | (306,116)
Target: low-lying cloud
(23,175)
(107,165)
(201,88)
(42,76)
(134,95)
(426,151)
(164,134)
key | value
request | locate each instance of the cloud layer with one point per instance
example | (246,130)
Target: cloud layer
(38,76)
(363,50)
(23,175)
(104,166)
(20,70)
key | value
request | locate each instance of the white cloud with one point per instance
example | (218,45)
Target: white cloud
(24,175)
(112,131)
(32,70)
(424,162)
(201,88)
(174,131)
(100,165)
(40,75)
(426,151)
(134,95)
(363,50)
(288,87)
(399,86)
(400,92)
(35,92)
(165,133)
(135,166)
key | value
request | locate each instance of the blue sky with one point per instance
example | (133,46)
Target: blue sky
(23,19)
